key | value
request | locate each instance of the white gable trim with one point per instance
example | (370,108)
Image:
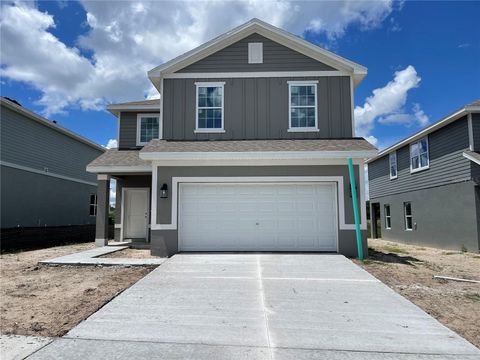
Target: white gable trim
(271,32)
(255,74)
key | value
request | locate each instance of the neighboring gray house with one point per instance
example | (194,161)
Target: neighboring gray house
(46,193)
(426,188)
(246,150)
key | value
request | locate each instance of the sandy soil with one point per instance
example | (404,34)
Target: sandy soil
(409,270)
(131,253)
(50,300)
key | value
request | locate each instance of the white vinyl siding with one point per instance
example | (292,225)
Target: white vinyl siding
(257,217)
(388,217)
(407,209)
(148,127)
(419,158)
(302,109)
(210,107)
(393,165)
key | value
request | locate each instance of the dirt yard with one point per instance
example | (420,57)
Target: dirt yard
(50,300)
(409,270)
(131,253)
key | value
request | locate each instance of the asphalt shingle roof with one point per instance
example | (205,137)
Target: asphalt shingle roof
(114,157)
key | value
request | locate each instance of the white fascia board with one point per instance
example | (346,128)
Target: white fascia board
(439,124)
(471,158)
(119,169)
(31,115)
(256,74)
(116,109)
(275,34)
(254,155)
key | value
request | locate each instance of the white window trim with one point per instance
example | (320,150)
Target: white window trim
(252,47)
(390,165)
(388,217)
(209,84)
(95,205)
(139,118)
(420,168)
(405,215)
(302,129)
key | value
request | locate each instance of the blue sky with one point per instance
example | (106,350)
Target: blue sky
(67,60)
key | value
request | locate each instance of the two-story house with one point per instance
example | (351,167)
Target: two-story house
(245,151)
(426,188)
(47,196)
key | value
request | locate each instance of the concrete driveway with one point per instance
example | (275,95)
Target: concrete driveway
(265,306)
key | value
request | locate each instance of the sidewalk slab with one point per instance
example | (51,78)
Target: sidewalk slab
(16,347)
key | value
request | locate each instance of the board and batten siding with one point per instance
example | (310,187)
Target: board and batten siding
(447,164)
(257,108)
(28,143)
(476,131)
(276,57)
(127,134)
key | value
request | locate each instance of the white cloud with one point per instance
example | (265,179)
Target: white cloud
(112,144)
(129,38)
(386,105)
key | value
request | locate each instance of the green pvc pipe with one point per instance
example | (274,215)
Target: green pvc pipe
(355,208)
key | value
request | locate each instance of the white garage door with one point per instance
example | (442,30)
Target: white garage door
(257,217)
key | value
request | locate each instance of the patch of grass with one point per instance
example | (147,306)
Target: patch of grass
(421,248)
(451,253)
(473,296)
(476,256)
(394,249)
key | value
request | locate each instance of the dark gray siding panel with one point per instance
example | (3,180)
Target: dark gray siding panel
(32,200)
(257,108)
(276,57)
(476,131)
(447,164)
(28,143)
(446,217)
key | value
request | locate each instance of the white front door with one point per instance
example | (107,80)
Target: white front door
(258,217)
(136,209)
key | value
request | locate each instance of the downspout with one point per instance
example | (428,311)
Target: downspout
(355,209)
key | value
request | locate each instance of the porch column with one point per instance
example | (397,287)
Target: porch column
(103,206)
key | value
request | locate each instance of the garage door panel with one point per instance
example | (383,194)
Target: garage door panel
(256,217)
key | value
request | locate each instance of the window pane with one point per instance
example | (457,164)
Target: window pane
(409,223)
(148,128)
(423,160)
(387,210)
(408,209)
(310,117)
(202,119)
(414,150)
(423,145)
(415,163)
(389,224)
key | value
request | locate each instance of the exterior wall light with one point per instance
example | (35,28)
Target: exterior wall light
(164,191)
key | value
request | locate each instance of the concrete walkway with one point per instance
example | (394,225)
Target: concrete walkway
(91,257)
(269,306)
(17,347)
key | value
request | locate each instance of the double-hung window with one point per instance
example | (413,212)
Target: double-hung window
(147,128)
(210,105)
(302,101)
(407,210)
(388,217)
(419,155)
(393,165)
(93,205)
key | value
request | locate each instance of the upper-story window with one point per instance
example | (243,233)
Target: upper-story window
(210,103)
(302,106)
(393,165)
(147,128)
(419,159)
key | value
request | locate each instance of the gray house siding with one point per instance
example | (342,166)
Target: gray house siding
(164,242)
(28,143)
(276,57)
(447,164)
(476,131)
(36,200)
(257,108)
(127,134)
(444,217)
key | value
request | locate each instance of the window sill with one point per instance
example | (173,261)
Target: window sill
(209,131)
(393,177)
(413,171)
(303,130)
(408,229)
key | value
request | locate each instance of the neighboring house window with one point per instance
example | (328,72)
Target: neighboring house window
(255,53)
(419,155)
(393,165)
(93,204)
(147,128)
(302,106)
(388,218)
(407,208)
(210,103)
